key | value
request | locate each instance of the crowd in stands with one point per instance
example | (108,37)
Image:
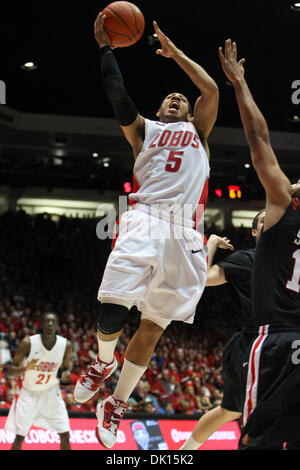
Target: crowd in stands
(57,266)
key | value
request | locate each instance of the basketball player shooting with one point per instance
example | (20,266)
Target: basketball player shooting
(164,277)
(272,405)
(38,400)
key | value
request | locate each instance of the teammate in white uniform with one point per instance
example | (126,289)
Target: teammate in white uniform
(159,260)
(38,400)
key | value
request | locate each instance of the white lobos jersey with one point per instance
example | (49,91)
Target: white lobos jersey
(172,169)
(44,375)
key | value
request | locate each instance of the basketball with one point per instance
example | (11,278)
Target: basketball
(124,24)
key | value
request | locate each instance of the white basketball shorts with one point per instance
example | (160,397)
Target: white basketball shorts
(158,266)
(43,409)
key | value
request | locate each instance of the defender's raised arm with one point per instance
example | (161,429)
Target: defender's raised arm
(277,186)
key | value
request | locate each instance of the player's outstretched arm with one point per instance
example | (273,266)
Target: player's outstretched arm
(131,122)
(277,186)
(206,107)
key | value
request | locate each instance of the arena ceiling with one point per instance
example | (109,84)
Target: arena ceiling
(58,38)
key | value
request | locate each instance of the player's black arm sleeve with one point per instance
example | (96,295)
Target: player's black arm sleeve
(125,110)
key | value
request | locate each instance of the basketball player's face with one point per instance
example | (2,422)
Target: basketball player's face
(49,325)
(174,108)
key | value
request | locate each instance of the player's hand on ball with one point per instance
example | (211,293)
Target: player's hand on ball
(233,69)
(168,49)
(101,35)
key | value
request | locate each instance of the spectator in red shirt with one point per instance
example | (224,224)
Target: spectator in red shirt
(6,404)
(4,323)
(64,330)
(176,397)
(184,407)
(174,371)
(156,387)
(83,355)
(189,394)
(152,369)
(3,388)
(75,373)
(120,353)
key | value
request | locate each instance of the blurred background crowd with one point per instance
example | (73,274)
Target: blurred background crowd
(57,266)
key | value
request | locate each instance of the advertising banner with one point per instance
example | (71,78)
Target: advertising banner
(152,434)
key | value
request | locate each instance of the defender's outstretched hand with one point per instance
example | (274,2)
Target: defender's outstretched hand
(168,48)
(233,70)
(221,242)
(296,189)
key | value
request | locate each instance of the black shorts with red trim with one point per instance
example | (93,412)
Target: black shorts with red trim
(235,363)
(272,403)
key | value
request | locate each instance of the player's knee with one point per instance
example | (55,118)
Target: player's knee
(230,415)
(112,318)
(151,331)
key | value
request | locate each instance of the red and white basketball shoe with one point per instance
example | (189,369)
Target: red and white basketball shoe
(109,413)
(89,383)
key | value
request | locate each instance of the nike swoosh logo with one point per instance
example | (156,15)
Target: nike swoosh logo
(99,373)
(94,375)
(196,251)
(245,364)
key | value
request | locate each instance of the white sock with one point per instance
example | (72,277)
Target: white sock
(129,377)
(107,349)
(191,444)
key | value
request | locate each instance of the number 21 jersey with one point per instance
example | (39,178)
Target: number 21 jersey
(44,375)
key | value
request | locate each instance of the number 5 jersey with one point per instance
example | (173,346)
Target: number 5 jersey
(172,168)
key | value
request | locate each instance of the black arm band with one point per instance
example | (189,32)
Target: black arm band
(125,110)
